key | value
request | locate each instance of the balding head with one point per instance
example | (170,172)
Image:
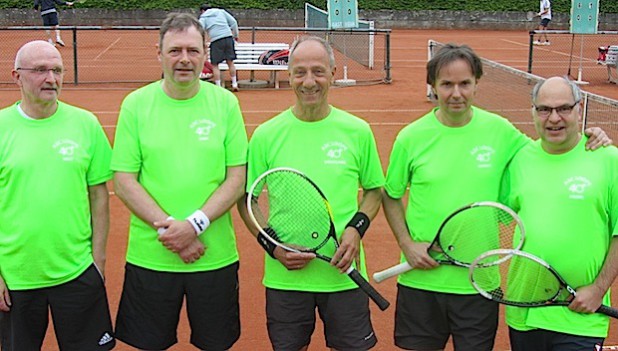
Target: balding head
(35,49)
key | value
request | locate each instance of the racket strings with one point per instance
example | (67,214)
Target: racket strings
(475,230)
(294,210)
(517,280)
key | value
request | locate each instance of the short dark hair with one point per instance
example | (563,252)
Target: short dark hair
(179,21)
(205,7)
(449,53)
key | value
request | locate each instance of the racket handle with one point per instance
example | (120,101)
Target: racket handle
(368,289)
(391,272)
(608,311)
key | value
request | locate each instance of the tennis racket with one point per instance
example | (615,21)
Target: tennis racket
(518,278)
(529,15)
(468,232)
(292,212)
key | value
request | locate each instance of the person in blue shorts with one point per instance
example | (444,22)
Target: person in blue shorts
(222,30)
(49,14)
(54,213)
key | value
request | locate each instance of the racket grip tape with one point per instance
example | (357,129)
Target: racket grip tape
(391,272)
(368,289)
(608,311)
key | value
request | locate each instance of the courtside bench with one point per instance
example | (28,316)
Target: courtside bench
(247,59)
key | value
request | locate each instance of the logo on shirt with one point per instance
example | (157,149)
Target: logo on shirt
(202,128)
(105,339)
(334,152)
(483,155)
(577,186)
(66,149)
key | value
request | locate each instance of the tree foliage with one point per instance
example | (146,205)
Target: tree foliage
(606,6)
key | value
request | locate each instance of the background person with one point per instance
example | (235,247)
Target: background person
(49,14)
(338,152)
(573,226)
(222,30)
(545,14)
(54,214)
(179,160)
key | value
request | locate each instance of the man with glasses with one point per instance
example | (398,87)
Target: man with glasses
(54,215)
(568,199)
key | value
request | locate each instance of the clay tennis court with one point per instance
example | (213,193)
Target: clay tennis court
(386,107)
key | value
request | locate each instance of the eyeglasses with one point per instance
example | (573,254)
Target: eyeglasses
(57,71)
(562,111)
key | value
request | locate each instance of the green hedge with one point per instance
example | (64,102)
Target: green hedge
(607,6)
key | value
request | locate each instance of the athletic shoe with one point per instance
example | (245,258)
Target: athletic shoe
(59,42)
(235,88)
(536,42)
(50,41)
(547,43)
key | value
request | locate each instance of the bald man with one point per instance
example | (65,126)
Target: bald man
(54,215)
(577,214)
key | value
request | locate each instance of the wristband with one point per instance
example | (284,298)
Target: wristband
(266,244)
(162,230)
(360,221)
(199,221)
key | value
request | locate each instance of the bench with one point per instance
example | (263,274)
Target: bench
(247,59)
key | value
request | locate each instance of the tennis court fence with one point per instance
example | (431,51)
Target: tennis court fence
(507,91)
(575,55)
(127,54)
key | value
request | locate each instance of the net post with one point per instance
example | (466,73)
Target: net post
(530,50)
(75,77)
(387,57)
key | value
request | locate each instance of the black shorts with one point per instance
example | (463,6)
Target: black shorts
(424,320)
(221,50)
(151,301)
(545,22)
(50,19)
(541,340)
(291,319)
(79,309)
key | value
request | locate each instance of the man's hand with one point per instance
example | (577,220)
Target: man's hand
(293,260)
(596,138)
(588,299)
(417,256)
(177,235)
(349,250)
(5,298)
(193,252)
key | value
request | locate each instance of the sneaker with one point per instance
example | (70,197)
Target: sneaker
(50,41)
(59,42)
(536,42)
(235,88)
(547,43)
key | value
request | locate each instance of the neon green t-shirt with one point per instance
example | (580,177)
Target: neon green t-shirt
(447,168)
(338,153)
(569,205)
(180,150)
(46,167)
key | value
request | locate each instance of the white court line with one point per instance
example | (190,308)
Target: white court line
(107,49)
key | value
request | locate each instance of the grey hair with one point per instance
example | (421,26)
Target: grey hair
(575,91)
(324,43)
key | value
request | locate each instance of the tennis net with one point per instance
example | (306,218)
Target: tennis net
(506,91)
(357,45)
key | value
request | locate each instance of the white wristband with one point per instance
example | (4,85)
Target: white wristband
(162,230)
(199,221)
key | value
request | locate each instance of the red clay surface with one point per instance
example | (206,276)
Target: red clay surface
(387,107)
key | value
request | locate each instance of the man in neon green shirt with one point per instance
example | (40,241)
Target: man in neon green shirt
(454,155)
(179,160)
(54,214)
(568,200)
(338,152)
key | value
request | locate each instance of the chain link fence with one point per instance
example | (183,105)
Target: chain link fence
(128,54)
(576,55)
